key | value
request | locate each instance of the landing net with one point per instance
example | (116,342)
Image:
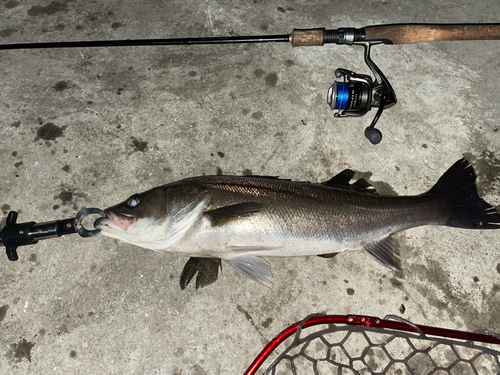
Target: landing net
(353,344)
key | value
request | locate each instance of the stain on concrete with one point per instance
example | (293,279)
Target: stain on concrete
(16,124)
(49,132)
(116,25)
(246,111)
(61,86)
(5,207)
(284,10)
(444,294)
(53,8)
(55,207)
(350,291)
(246,313)
(72,353)
(247,172)
(63,328)
(259,72)
(66,197)
(289,63)
(250,319)
(218,171)
(396,283)
(193,73)
(257,115)
(66,168)
(139,145)
(21,350)
(266,323)
(42,332)
(476,279)
(32,258)
(18,164)
(220,153)
(197,370)
(11,4)
(3,312)
(7,32)
(498,268)
(272,79)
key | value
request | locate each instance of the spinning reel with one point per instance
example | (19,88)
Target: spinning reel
(358,93)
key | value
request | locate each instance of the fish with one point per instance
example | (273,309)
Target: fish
(242,220)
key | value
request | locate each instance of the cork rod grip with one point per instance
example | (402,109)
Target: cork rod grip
(414,33)
(310,37)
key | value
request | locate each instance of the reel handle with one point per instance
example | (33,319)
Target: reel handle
(375,135)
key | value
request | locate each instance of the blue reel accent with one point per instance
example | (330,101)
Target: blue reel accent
(341,95)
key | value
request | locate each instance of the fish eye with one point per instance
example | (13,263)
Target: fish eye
(133,201)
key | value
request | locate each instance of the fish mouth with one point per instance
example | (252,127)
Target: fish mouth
(114,221)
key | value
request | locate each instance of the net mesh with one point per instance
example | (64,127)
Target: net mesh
(349,349)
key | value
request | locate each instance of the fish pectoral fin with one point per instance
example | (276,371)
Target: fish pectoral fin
(383,252)
(253,267)
(223,215)
(331,255)
(206,268)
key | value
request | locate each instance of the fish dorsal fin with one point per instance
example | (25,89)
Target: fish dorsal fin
(206,268)
(254,267)
(223,215)
(342,179)
(383,252)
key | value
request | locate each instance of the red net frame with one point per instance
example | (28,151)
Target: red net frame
(390,325)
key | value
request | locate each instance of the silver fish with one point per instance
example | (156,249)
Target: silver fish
(242,219)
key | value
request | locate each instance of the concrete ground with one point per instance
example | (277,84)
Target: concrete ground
(89,127)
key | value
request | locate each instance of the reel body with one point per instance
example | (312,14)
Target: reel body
(356,94)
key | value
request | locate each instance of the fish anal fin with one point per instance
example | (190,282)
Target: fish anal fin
(383,252)
(223,215)
(331,255)
(206,268)
(254,267)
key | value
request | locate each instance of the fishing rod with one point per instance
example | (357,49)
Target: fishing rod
(354,94)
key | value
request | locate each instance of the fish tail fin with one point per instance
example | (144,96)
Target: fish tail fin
(458,186)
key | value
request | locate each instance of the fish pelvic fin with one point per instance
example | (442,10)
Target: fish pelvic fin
(458,186)
(223,215)
(254,267)
(383,252)
(206,268)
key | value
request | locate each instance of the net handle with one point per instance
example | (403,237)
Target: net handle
(368,321)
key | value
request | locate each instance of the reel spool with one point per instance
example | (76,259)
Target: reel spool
(358,93)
